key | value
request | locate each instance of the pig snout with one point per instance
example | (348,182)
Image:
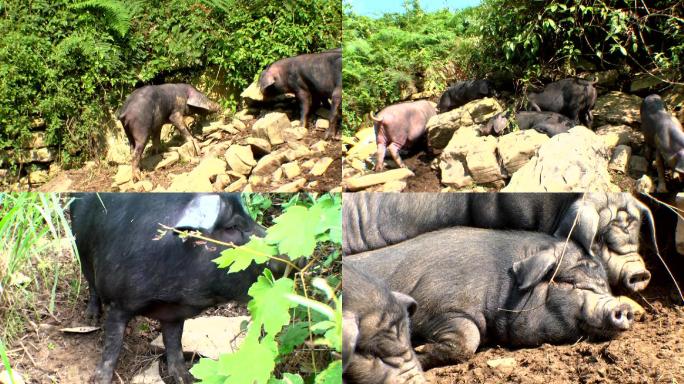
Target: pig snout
(621,317)
(636,280)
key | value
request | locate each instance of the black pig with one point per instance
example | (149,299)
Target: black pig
(313,78)
(548,123)
(574,98)
(662,132)
(151,106)
(607,223)
(463,92)
(169,279)
(376,344)
(476,286)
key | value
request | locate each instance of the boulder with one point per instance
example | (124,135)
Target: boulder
(617,108)
(517,148)
(482,161)
(260,147)
(271,127)
(614,135)
(252,93)
(240,159)
(575,161)
(361,182)
(619,162)
(321,166)
(477,155)
(441,127)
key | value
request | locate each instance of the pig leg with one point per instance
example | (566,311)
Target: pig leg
(171,333)
(305,102)
(456,342)
(394,151)
(138,149)
(176,119)
(115,326)
(335,107)
(94,309)
(662,187)
(380,157)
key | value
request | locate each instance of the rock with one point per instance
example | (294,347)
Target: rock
(38,123)
(455,174)
(319,147)
(271,127)
(441,127)
(321,166)
(37,140)
(168,134)
(61,183)
(150,162)
(358,165)
(620,160)
(645,185)
(170,158)
(646,82)
(149,376)
(313,185)
(40,155)
(210,336)
(482,162)
(614,135)
(16,377)
(638,165)
(679,234)
(277,175)
(365,146)
(240,159)
(571,161)
(243,115)
(186,152)
(309,164)
(297,150)
(477,156)
(268,164)
(294,186)
(123,175)
(39,177)
(503,363)
(190,182)
(252,93)
(260,147)
(294,133)
(291,170)
(237,185)
(394,186)
(222,181)
(143,186)
(322,124)
(259,180)
(213,127)
(617,108)
(209,167)
(361,182)
(517,148)
(607,78)
(239,125)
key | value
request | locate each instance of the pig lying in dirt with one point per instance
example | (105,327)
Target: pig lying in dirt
(662,132)
(376,345)
(463,92)
(548,123)
(574,98)
(607,224)
(400,126)
(476,286)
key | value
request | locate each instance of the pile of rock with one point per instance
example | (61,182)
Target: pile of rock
(257,149)
(35,158)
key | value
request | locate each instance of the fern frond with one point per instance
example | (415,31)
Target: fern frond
(117,13)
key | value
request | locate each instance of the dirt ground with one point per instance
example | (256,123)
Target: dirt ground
(651,352)
(100,175)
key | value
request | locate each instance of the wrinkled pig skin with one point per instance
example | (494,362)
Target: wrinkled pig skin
(314,78)
(574,98)
(662,132)
(463,92)
(134,272)
(607,227)
(481,286)
(376,344)
(400,126)
(548,123)
(149,107)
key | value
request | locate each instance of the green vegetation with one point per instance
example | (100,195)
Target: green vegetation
(72,62)
(389,58)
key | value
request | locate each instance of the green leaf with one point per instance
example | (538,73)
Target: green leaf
(269,306)
(293,335)
(288,378)
(294,232)
(239,258)
(330,375)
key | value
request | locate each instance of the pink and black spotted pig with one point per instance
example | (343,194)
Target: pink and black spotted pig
(400,126)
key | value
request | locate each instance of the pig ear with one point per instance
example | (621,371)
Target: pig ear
(197,100)
(201,214)
(406,301)
(350,333)
(531,270)
(586,227)
(267,80)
